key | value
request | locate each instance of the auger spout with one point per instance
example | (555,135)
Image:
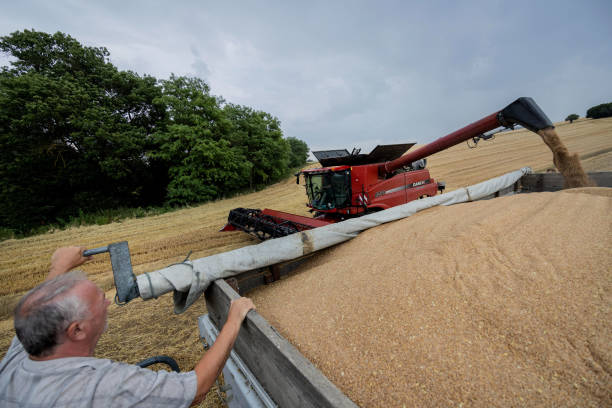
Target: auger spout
(524,111)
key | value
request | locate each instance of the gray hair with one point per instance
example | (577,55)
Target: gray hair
(45,312)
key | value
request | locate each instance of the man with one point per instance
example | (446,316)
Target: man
(58,324)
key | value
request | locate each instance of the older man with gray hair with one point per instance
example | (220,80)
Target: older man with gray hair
(58,325)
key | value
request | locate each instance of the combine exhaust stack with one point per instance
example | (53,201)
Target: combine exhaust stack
(352,184)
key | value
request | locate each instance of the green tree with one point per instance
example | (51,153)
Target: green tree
(259,137)
(79,135)
(600,111)
(572,117)
(298,152)
(73,130)
(202,164)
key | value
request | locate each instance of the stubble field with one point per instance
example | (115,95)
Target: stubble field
(142,329)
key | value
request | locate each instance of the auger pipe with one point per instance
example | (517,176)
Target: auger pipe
(523,111)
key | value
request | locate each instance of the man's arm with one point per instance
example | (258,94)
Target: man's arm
(210,365)
(66,258)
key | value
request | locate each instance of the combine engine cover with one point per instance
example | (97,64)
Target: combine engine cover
(380,154)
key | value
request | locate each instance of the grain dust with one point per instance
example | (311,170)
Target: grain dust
(505,302)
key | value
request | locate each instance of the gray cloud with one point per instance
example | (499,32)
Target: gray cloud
(355,73)
(200,67)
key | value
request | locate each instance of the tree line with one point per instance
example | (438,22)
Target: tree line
(78,135)
(603,110)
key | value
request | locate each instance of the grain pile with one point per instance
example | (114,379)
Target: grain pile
(506,302)
(567,164)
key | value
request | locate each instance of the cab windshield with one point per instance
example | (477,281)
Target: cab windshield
(329,190)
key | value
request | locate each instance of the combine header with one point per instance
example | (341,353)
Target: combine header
(352,184)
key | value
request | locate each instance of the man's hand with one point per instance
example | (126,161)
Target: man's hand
(239,309)
(66,258)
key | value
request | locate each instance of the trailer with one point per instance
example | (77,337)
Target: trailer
(264,369)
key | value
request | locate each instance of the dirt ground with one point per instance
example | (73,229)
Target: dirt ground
(141,328)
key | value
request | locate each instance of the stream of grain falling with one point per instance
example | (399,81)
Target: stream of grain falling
(567,164)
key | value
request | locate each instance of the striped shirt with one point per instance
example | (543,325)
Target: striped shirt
(88,382)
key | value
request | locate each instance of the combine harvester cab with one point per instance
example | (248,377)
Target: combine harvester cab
(352,184)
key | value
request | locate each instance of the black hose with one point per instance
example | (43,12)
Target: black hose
(169,361)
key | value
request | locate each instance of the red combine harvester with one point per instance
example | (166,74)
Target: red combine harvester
(352,184)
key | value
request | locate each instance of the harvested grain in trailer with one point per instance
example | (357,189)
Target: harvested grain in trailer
(504,302)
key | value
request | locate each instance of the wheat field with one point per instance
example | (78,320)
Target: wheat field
(142,329)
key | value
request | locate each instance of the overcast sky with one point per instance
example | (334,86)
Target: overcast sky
(344,74)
